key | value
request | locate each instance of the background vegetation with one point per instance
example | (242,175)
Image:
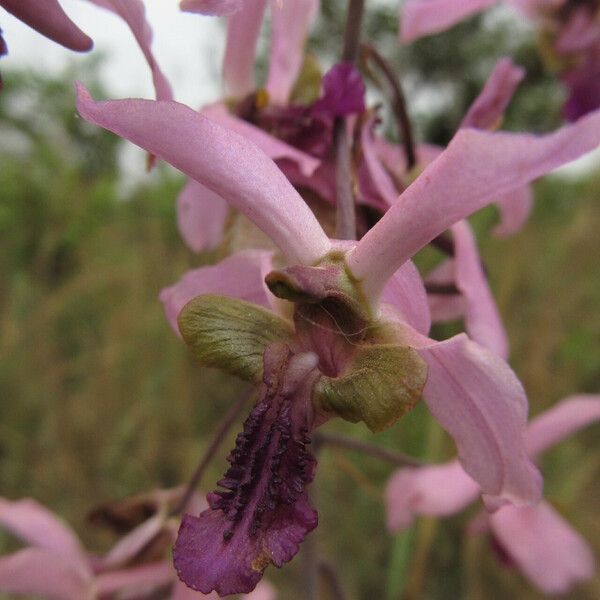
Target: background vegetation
(100,400)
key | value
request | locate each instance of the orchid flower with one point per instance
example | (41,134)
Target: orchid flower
(539,541)
(344,353)
(572,28)
(54,564)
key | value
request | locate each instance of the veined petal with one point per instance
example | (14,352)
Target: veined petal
(36,525)
(436,491)
(271,146)
(561,421)
(213,8)
(243,29)
(38,571)
(514,209)
(48,18)
(487,111)
(201,216)
(479,401)
(223,161)
(240,275)
(476,168)
(549,552)
(133,12)
(424,17)
(482,319)
(289,27)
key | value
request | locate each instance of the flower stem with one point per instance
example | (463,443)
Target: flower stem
(222,431)
(390,456)
(398,103)
(345,211)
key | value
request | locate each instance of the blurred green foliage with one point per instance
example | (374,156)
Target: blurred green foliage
(101,400)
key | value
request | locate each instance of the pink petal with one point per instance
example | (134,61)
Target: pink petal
(36,525)
(487,111)
(445,307)
(289,27)
(183,592)
(514,210)
(271,146)
(482,319)
(48,18)
(41,572)
(424,17)
(133,13)
(549,552)
(201,216)
(406,293)
(240,276)
(263,591)
(437,491)
(215,8)
(243,29)
(476,168)
(561,421)
(133,543)
(139,580)
(579,34)
(223,161)
(479,401)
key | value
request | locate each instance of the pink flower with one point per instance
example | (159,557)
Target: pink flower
(539,541)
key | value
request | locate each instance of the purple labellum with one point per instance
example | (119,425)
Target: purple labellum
(263,513)
(583,84)
(343,92)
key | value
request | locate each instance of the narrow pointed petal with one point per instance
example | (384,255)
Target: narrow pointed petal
(482,319)
(561,421)
(40,572)
(424,17)
(223,161)
(240,275)
(479,401)
(213,8)
(48,18)
(487,111)
(243,29)
(475,169)
(275,149)
(549,552)
(133,581)
(201,216)
(406,293)
(290,22)
(36,525)
(435,491)
(133,12)
(514,209)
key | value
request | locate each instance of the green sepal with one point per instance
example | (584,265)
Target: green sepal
(381,384)
(231,335)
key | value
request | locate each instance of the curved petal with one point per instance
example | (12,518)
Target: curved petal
(436,491)
(133,12)
(243,29)
(36,525)
(48,18)
(424,17)
(487,111)
(444,307)
(140,579)
(406,293)
(514,211)
(240,276)
(213,8)
(41,572)
(289,27)
(561,421)
(476,168)
(549,552)
(271,146)
(201,216)
(479,401)
(223,161)
(482,319)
